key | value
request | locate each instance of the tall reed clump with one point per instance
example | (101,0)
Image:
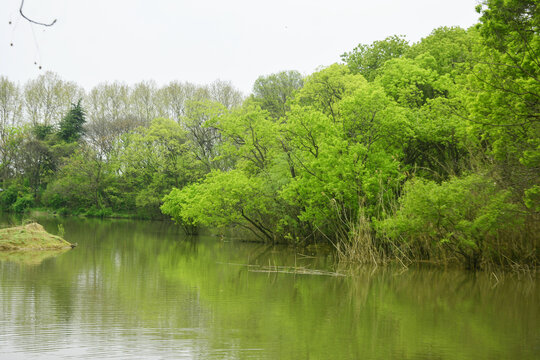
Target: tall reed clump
(355,240)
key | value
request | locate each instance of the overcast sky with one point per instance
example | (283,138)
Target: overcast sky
(200,41)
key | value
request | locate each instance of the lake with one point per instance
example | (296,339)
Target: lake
(143,290)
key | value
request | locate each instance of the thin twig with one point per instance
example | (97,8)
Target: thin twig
(32,21)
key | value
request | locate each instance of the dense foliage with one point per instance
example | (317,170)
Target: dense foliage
(426,151)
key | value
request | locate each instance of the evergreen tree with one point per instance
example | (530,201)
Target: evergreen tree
(71,126)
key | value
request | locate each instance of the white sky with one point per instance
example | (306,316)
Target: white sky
(200,41)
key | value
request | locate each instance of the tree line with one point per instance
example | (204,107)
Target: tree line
(35,153)
(427,151)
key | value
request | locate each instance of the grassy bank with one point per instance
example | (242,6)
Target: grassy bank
(30,237)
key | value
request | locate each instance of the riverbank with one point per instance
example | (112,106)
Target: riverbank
(364,249)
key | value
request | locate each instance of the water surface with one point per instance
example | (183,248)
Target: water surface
(142,290)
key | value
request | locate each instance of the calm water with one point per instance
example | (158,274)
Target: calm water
(143,290)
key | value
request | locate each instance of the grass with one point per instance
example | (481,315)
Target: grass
(30,237)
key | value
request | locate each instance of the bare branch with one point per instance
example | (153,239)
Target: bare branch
(32,21)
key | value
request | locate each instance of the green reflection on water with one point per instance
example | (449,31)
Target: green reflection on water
(142,289)
(32,257)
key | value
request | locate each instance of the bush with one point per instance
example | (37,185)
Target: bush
(458,217)
(99,212)
(16,198)
(54,200)
(9,196)
(23,203)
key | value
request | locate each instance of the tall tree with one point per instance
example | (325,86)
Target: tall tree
(10,103)
(274,92)
(109,116)
(172,98)
(72,125)
(204,138)
(48,97)
(225,93)
(505,105)
(368,59)
(143,101)
(452,49)
(10,116)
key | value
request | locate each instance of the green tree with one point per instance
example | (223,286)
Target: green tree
(368,59)
(348,163)
(452,49)
(435,148)
(504,104)
(324,89)
(225,93)
(10,153)
(81,183)
(10,104)
(142,100)
(274,92)
(108,116)
(72,125)
(204,138)
(152,161)
(248,194)
(47,98)
(172,98)
(223,199)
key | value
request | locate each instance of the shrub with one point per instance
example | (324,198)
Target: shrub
(23,203)
(461,215)
(9,196)
(54,200)
(99,212)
